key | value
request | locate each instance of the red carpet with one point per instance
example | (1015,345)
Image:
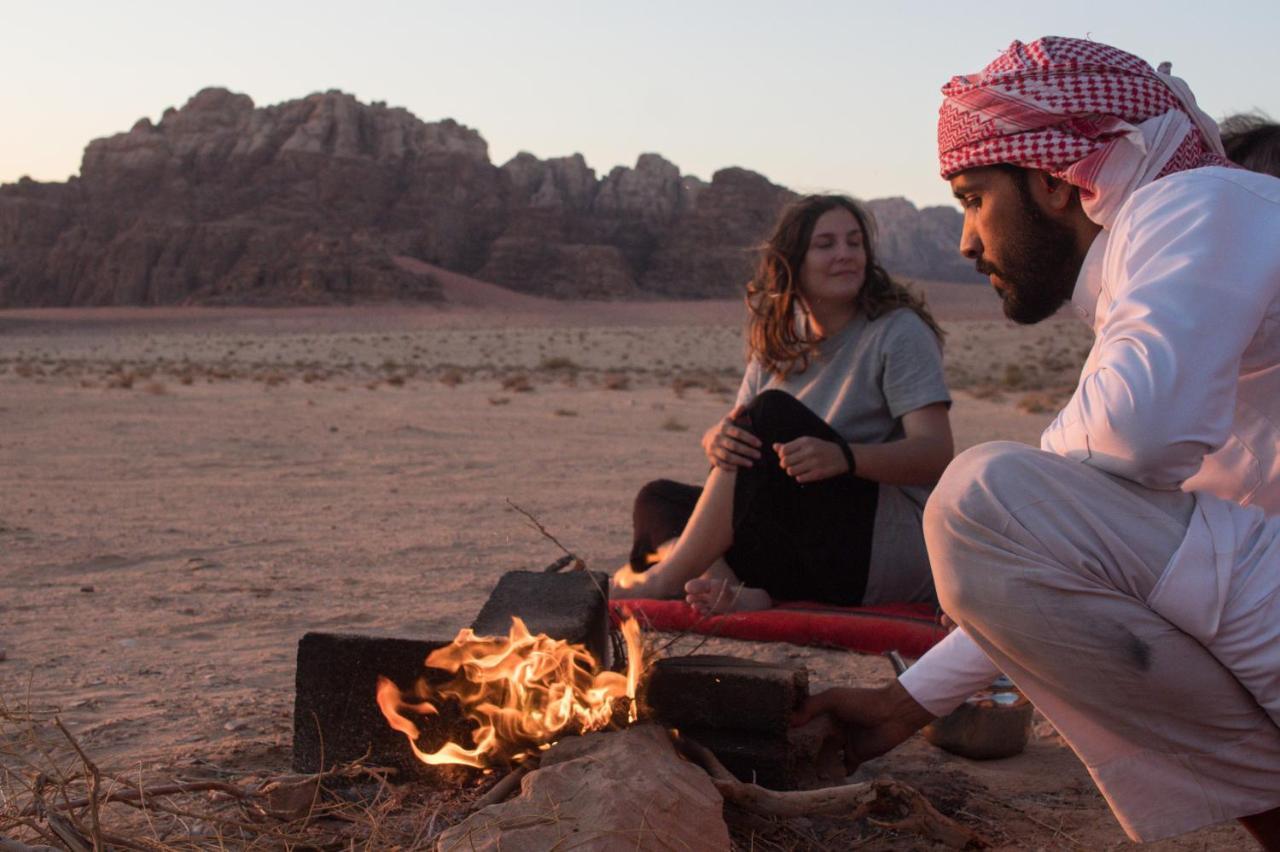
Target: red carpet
(910,629)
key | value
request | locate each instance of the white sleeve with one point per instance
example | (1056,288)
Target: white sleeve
(752,379)
(949,673)
(1158,390)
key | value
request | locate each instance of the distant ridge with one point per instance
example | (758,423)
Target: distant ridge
(312,201)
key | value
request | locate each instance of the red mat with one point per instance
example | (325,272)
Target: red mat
(910,629)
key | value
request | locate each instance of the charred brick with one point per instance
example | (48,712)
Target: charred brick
(803,758)
(335,712)
(724,693)
(573,606)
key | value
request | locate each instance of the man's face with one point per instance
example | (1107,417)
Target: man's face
(1032,260)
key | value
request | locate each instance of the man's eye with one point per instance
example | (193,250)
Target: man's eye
(971,202)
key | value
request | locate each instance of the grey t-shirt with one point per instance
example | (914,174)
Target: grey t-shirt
(861,382)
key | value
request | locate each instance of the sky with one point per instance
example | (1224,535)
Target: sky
(816,95)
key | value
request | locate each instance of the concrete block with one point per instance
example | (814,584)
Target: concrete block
(724,693)
(335,711)
(801,759)
(573,606)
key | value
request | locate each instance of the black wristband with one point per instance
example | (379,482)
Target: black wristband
(848,456)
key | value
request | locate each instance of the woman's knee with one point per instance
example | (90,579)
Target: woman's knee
(775,415)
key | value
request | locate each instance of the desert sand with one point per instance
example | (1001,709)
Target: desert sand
(187,491)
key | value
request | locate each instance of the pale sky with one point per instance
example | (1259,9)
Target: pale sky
(815,95)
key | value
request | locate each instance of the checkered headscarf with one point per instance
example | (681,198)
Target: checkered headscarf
(1095,116)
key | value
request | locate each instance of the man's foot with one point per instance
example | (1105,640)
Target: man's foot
(715,595)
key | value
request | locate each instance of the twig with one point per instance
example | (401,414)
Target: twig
(504,788)
(95,782)
(540,528)
(140,793)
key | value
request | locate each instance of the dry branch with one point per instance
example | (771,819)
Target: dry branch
(504,788)
(853,801)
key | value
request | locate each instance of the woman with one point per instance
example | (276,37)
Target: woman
(821,470)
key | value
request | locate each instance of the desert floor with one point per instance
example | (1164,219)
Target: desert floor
(187,491)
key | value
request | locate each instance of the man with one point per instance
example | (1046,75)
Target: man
(1127,575)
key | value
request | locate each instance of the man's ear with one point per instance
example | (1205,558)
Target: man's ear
(1053,194)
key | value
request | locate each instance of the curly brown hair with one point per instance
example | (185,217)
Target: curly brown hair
(774,338)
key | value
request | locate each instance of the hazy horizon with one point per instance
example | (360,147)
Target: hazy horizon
(830,97)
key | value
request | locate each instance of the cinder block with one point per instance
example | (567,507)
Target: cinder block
(335,711)
(724,693)
(572,606)
(802,758)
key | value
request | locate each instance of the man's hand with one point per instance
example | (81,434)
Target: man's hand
(729,446)
(873,720)
(811,459)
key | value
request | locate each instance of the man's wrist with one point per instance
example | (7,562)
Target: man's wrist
(902,709)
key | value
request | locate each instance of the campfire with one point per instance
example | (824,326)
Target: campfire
(521,691)
(548,701)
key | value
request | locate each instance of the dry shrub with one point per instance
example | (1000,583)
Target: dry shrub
(558,362)
(517,383)
(1036,403)
(671,424)
(27,370)
(313,376)
(156,388)
(566,412)
(682,383)
(991,393)
(616,381)
(451,378)
(395,380)
(120,381)
(499,400)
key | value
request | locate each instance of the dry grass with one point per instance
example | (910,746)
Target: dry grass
(52,792)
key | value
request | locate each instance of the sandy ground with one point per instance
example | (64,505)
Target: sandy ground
(187,491)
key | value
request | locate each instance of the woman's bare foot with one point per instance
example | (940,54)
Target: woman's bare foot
(718,595)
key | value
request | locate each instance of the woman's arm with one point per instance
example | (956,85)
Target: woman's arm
(918,458)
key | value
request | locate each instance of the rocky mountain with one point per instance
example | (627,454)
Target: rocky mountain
(310,201)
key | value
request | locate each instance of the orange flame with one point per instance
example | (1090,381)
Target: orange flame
(521,690)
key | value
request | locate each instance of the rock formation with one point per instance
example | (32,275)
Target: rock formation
(310,201)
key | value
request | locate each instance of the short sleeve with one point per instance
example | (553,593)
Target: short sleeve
(752,384)
(912,374)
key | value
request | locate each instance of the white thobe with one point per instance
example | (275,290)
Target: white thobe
(1179,396)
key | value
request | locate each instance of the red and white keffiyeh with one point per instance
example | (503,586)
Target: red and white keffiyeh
(1095,116)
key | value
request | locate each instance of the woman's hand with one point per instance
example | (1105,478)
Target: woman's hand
(811,459)
(728,446)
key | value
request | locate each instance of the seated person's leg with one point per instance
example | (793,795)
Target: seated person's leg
(799,541)
(1048,565)
(662,508)
(719,590)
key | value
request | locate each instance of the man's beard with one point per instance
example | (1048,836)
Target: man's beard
(1039,266)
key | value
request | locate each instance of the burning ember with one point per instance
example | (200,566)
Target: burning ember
(521,690)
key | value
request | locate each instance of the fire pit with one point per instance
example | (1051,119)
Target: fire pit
(530,686)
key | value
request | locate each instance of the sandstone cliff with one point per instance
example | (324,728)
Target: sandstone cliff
(309,201)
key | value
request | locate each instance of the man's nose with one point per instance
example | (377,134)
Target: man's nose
(970,245)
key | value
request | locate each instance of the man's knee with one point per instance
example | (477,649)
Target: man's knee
(966,512)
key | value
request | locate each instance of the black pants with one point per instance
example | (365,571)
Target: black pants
(797,542)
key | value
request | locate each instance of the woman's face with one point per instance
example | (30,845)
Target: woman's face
(835,264)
